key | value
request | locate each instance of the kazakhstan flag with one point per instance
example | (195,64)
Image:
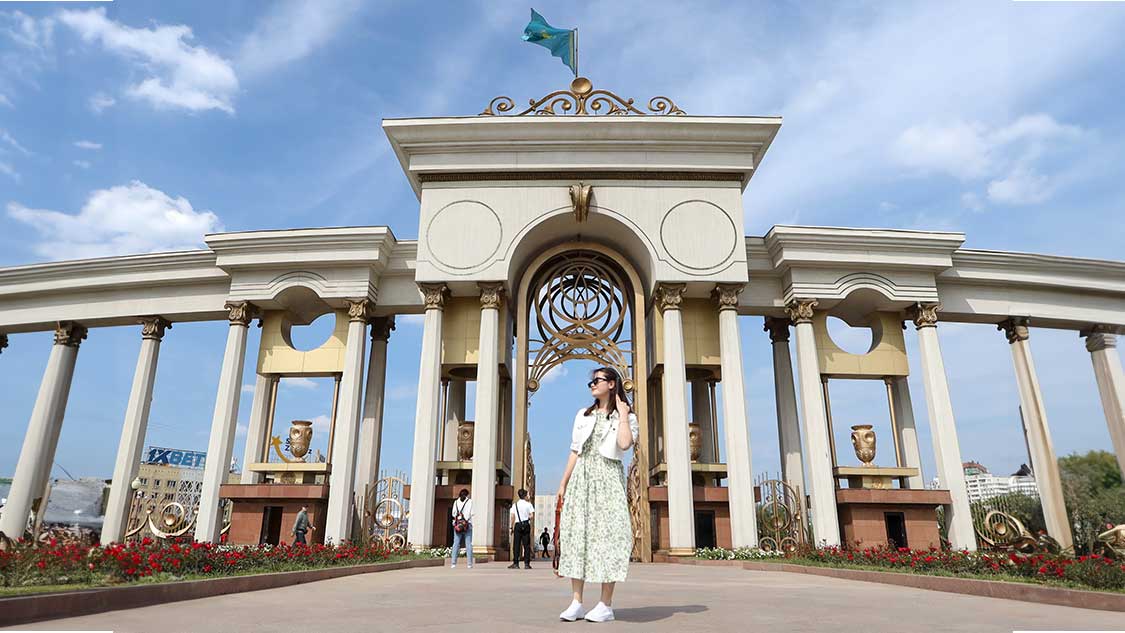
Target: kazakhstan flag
(561,42)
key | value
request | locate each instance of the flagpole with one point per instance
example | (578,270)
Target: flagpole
(576,52)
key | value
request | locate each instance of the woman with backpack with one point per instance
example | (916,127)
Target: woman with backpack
(462,527)
(595,532)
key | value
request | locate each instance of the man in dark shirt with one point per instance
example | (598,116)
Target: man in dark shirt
(301,526)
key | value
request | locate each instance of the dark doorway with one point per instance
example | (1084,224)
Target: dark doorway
(705,528)
(271,525)
(896,528)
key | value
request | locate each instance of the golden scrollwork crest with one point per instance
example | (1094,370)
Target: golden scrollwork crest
(579,312)
(582,99)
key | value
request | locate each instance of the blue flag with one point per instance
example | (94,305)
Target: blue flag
(561,42)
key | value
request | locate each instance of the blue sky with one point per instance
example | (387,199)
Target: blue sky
(132,127)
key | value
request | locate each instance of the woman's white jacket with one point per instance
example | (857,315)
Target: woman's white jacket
(607,444)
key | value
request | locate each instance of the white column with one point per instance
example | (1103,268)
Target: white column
(223,423)
(256,431)
(371,428)
(345,439)
(740,471)
(133,431)
(1102,346)
(701,415)
(943,428)
(422,467)
(486,418)
(455,415)
(39,443)
(785,401)
(1043,460)
(821,486)
(907,431)
(677,452)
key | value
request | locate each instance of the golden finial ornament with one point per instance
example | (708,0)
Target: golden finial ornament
(582,99)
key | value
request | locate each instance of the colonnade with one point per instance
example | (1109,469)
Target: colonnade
(804,442)
(355,443)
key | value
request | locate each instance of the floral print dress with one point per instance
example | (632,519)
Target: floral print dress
(595,532)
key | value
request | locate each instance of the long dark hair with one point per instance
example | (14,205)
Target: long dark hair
(615,394)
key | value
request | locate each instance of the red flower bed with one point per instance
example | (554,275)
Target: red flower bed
(55,563)
(1093,570)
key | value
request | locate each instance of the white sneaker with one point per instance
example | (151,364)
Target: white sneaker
(453,566)
(600,613)
(573,612)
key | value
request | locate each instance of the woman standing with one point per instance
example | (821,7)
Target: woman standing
(595,533)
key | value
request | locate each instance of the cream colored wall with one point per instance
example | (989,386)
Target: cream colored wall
(701,333)
(886,358)
(277,356)
(460,332)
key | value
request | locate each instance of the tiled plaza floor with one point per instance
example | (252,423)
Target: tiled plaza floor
(677,598)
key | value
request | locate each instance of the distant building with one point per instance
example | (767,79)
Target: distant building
(544,516)
(170,475)
(982,484)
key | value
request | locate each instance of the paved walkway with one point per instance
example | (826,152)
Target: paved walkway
(677,598)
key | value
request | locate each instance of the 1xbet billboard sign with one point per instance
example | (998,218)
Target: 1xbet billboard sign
(175,457)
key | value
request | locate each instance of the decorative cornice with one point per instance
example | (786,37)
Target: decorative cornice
(490,176)
(801,310)
(491,294)
(381,328)
(778,329)
(582,98)
(153,327)
(69,333)
(359,310)
(727,295)
(433,295)
(241,312)
(580,201)
(1098,338)
(1015,329)
(669,296)
(923,314)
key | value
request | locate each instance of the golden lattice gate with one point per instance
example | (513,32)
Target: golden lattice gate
(584,301)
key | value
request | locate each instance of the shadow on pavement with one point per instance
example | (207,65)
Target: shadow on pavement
(652,614)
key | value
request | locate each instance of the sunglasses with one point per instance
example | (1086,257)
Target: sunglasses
(596,381)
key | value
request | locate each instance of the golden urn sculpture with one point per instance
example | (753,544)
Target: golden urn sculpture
(465,435)
(695,440)
(863,439)
(300,435)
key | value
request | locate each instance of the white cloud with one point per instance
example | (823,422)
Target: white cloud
(247,388)
(300,383)
(1022,186)
(971,201)
(402,392)
(9,171)
(27,31)
(100,101)
(958,148)
(557,372)
(84,164)
(181,75)
(5,101)
(321,423)
(87,145)
(241,429)
(126,219)
(887,206)
(13,143)
(410,319)
(292,30)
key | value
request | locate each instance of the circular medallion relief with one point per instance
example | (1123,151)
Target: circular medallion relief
(463,234)
(697,234)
